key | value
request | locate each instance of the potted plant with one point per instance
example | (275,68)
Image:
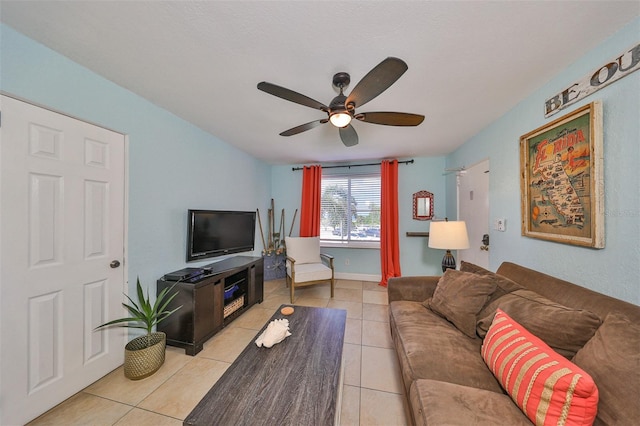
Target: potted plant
(144,355)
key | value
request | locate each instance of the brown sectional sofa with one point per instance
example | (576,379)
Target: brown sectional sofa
(446,381)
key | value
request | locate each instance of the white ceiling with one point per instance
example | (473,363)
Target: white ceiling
(469,62)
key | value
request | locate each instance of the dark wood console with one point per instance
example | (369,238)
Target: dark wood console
(224,291)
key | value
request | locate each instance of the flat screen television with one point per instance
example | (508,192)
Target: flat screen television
(214,233)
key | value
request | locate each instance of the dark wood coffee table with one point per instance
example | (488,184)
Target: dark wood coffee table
(296,382)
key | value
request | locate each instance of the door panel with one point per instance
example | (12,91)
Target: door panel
(62,223)
(45,220)
(473,202)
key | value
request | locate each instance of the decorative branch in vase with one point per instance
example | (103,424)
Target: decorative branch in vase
(273,246)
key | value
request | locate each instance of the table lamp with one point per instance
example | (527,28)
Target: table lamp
(448,235)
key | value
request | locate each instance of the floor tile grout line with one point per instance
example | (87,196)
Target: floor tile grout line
(145,397)
(103,397)
(324,301)
(377,347)
(383,391)
(360,379)
(124,415)
(160,414)
(134,407)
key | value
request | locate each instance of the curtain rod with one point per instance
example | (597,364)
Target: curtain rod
(354,165)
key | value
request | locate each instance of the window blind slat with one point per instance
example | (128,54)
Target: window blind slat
(350,208)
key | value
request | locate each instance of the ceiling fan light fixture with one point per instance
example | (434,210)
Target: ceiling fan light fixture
(340,119)
(342,109)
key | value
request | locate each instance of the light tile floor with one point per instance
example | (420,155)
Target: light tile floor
(372,392)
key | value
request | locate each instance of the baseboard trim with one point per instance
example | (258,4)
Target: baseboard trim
(357,277)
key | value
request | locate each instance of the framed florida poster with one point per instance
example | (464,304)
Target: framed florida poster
(561,179)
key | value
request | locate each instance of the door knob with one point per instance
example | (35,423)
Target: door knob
(114,264)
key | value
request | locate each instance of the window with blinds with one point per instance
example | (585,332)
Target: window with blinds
(350,208)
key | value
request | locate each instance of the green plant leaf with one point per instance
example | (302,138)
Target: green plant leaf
(166,314)
(134,308)
(118,321)
(144,302)
(163,307)
(133,311)
(144,315)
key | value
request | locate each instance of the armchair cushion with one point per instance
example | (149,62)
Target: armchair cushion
(310,272)
(303,249)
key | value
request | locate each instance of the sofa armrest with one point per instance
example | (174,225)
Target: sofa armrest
(416,289)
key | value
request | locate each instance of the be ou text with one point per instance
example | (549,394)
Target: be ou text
(612,71)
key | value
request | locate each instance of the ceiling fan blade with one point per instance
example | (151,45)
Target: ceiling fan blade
(391,118)
(348,135)
(303,127)
(292,96)
(376,81)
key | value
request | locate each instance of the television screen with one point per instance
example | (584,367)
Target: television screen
(216,233)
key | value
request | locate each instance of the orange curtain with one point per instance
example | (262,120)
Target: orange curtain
(389,240)
(310,206)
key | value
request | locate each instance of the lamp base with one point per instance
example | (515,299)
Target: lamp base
(448,261)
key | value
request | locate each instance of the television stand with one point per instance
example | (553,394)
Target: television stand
(226,290)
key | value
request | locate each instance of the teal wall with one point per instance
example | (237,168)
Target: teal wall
(425,174)
(168,154)
(614,270)
(415,257)
(173,165)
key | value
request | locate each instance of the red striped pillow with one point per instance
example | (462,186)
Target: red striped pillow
(546,386)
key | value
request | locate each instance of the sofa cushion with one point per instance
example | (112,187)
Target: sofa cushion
(459,296)
(416,289)
(303,249)
(612,358)
(440,403)
(472,267)
(430,347)
(565,329)
(547,387)
(503,284)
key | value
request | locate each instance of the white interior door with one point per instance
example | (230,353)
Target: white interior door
(61,225)
(473,205)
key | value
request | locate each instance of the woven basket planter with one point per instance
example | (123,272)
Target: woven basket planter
(144,355)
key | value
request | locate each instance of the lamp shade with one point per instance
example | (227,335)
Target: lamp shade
(448,235)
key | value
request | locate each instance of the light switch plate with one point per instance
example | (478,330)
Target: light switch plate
(500,224)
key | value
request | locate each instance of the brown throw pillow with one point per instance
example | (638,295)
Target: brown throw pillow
(565,329)
(427,302)
(473,268)
(504,286)
(459,296)
(612,358)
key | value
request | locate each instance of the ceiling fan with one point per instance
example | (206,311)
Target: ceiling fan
(342,109)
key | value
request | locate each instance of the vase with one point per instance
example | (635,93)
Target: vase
(144,355)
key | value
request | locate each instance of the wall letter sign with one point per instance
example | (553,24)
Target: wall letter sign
(623,65)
